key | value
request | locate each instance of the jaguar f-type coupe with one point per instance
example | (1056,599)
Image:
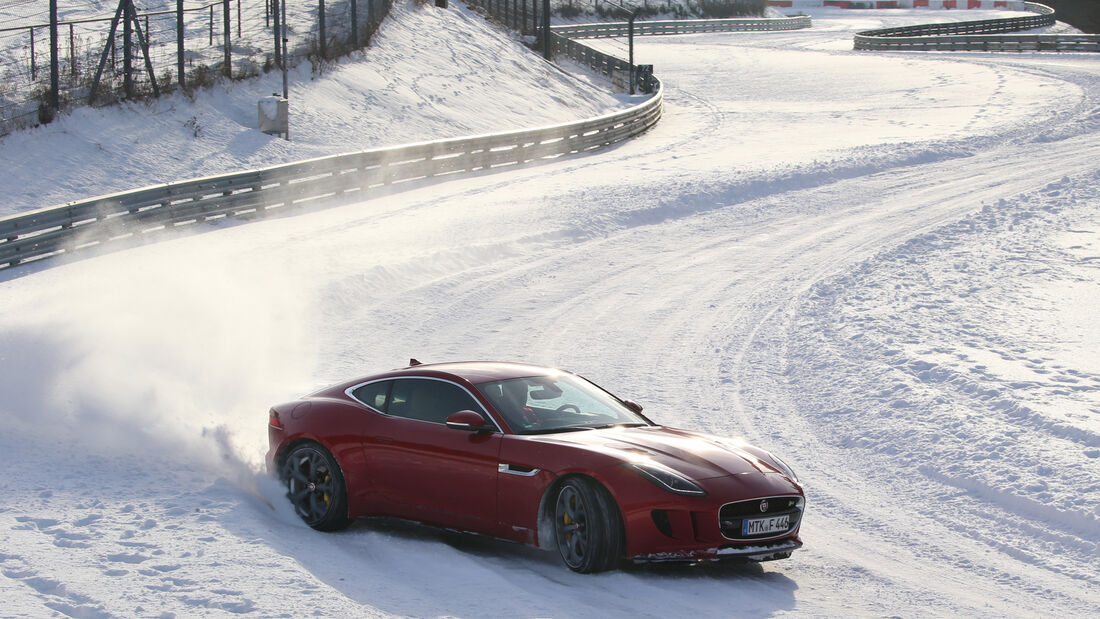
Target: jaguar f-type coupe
(535,455)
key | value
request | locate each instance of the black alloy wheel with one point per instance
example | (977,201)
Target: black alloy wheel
(587,526)
(315,487)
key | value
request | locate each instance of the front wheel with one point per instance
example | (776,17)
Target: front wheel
(587,526)
(315,487)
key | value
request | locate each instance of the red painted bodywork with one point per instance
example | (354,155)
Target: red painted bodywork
(450,477)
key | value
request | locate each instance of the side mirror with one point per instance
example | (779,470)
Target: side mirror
(632,405)
(466,420)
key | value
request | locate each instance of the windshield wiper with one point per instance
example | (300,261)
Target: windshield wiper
(615,425)
(579,428)
(556,430)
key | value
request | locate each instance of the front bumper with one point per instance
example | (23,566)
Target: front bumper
(767,551)
(662,526)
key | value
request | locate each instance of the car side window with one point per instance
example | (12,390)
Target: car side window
(374,394)
(428,400)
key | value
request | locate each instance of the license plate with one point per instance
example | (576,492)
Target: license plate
(760,526)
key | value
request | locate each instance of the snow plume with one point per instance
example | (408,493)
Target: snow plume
(155,355)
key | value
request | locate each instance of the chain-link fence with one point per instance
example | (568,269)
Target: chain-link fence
(143,51)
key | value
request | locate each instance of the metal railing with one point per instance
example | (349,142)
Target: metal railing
(563,39)
(983,35)
(595,60)
(107,219)
(683,26)
(996,43)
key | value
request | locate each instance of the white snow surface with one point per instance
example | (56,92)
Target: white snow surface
(884,267)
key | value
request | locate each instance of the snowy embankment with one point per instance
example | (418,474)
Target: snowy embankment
(880,266)
(428,74)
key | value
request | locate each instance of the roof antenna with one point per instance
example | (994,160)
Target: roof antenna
(413,362)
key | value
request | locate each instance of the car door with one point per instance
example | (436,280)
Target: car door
(428,471)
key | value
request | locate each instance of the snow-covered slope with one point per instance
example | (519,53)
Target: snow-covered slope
(428,74)
(880,266)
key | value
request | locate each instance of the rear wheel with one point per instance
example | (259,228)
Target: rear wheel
(587,526)
(316,488)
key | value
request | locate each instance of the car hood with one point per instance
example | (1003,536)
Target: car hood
(697,455)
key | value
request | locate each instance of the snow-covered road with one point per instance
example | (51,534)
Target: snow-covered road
(883,267)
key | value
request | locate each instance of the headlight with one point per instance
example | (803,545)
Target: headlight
(784,467)
(667,479)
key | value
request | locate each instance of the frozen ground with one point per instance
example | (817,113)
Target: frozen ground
(882,266)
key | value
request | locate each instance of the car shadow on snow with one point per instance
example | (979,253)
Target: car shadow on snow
(407,568)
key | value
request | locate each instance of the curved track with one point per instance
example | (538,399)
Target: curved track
(688,271)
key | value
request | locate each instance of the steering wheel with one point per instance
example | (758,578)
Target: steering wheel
(564,407)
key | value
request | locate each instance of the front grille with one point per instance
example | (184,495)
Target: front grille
(732,516)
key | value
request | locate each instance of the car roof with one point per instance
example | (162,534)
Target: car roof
(471,371)
(481,371)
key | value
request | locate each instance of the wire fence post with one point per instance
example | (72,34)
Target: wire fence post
(227,30)
(72,51)
(34,70)
(321,25)
(278,36)
(630,36)
(354,25)
(127,49)
(54,68)
(179,44)
(546,30)
(286,88)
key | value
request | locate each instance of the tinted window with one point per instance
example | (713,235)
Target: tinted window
(374,394)
(428,400)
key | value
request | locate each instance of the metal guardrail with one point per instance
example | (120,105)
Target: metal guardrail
(997,43)
(983,35)
(562,38)
(91,223)
(47,232)
(597,61)
(682,26)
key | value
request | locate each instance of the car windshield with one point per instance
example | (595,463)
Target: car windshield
(559,403)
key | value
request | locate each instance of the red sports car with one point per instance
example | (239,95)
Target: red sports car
(535,455)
